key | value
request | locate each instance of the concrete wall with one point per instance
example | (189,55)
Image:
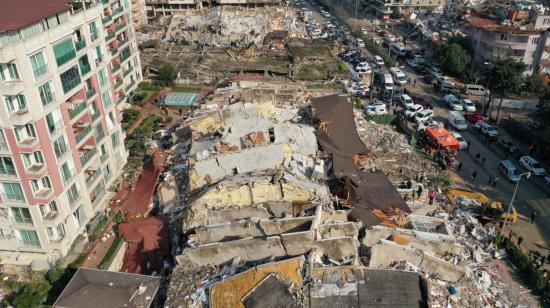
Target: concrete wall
(116,264)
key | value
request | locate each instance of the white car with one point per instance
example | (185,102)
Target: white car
(363,65)
(429,123)
(376,109)
(423,115)
(378,60)
(468,105)
(486,129)
(356,87)
(532,165)
(412,63)
(360,43)
(412,110)
(364,31)
(452,102)
(463,143)
(405,100)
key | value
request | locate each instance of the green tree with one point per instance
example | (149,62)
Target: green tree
(453,58)
(505,76)
(463,41)
(31,295)
(534,84)
(167,75)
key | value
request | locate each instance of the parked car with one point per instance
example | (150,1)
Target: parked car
(507,144)
(532,165)
(434,71)
(452,102)
(378,60)
(412,110)
(430,123)
(376,109)
(486,129)
(463,143)
(360,43)
(468,105)
(423,115)
(473,117)
(412,63)
(457,121)
(405,100)
(364,31)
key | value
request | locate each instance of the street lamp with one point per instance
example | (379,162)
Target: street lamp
(527,176)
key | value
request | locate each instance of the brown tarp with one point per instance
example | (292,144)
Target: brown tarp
(337,135)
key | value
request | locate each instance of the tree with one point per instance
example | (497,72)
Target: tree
(505,76)
(534,84)
(32,294)
(453,58)
(167,75)
(463,41)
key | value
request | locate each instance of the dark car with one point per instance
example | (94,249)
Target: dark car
(430,79)
(347,42)
(378,79)
(420,69)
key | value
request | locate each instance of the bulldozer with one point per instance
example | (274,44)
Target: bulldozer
(487,211)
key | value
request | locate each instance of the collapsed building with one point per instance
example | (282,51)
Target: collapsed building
(282,203)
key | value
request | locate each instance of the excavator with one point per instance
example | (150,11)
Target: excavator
(488,211)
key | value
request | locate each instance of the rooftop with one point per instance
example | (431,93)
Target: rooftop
(97,288)
(17,14)
(492,25)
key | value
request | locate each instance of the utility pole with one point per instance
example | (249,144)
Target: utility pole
(355,19)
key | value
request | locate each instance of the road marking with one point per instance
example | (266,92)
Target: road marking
(542,206)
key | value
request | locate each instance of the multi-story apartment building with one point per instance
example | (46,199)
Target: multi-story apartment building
(527,43)
(386,7)
(65,69)
(139,13)
(169,7)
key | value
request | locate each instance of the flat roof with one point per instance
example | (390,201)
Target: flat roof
(181,99)
(97,288)
(17,14)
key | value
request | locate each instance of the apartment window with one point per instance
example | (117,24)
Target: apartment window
(73,194)
(39,67)
(84,64)
(46,94)
(53,121)
(96,52)
(29,238)
(23,132)
(6,166)
(70,79)
(102,79)
(106,96)
(46,182)
(60,147)
(546,22)
(114,139)
(64,52)
(21,215)
(16,103)
(2,76)
(32,159)
(66,172)
(503,37)
(61,230)
(12,69)
(42,183)
(93,31)
(535,40)
(13,191)
(49,233)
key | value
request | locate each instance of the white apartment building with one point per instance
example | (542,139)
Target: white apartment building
(65,71)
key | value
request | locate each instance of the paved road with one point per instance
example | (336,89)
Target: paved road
(532,195)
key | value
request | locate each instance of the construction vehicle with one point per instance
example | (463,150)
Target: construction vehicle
(487,211)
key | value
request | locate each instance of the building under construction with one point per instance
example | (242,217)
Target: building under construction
(170,7)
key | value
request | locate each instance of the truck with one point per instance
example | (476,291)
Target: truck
(486,210)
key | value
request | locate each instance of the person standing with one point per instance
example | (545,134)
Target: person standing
(431,196)
(473,177)
(419,191)
(533,216)
(520,240)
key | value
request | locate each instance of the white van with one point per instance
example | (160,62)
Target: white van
(474,89)
(398,76)
(398,49)
(457,121)
(388,82)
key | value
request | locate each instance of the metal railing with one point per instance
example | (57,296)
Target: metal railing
(91,179)
(115,68)
(120,26)
(80,136)
(77,110)
(14,198)
(117,11)
(79,44)
(99,196)
(106,19)
(95,116)
(84,159)
(130,85)
(90,93)
(128,71)
(71,84)
(55,126)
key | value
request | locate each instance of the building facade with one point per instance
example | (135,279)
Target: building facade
(65,72)
(139,13)
(526,43)
(386,7)
(170,7)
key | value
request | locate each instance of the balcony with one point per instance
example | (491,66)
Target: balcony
(58,238)
(105,1)
(21,117)
(109,37)
(8,174)
(79,45)
(55,127)
(113,51)
(99,135)
(122,42)
(43,193)
(87,156)
(128,71)
(118,83)
(121,98)
(98,198)
(83,133)
(4,148)
(125,56)
(85,69)
(50,215)
(91,179)
(11,87)
(90,93)
(115,68)
(22,221)
(77,110)
(13,198)
(120,26)
(36,170)
(71,84)
(105,20)
(130,85)
(95,116)
(117,11)
(28,142)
